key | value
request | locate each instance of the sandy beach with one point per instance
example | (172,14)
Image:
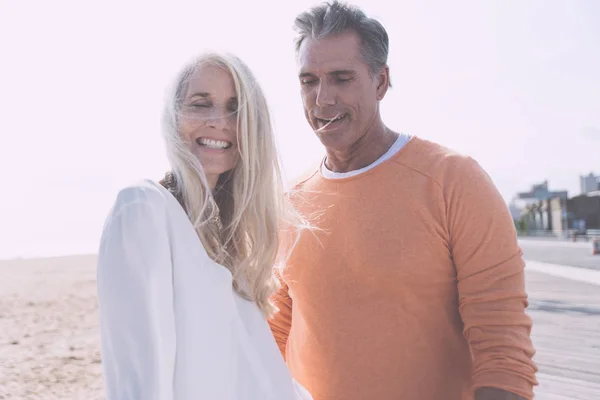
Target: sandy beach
(49,337)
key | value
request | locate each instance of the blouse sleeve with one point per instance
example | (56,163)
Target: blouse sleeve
(135,294)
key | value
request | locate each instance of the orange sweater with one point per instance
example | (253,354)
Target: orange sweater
(413,290)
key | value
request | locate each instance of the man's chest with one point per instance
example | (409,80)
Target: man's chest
(370,252)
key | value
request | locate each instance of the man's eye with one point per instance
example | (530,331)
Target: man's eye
(307,82)
(200,105)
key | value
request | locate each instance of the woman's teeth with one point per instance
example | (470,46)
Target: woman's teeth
(213,144)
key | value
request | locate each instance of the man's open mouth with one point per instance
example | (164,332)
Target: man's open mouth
(324,123)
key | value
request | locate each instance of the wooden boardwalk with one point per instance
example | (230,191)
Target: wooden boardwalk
(566,334)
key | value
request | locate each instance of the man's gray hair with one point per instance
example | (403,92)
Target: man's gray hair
(335,17)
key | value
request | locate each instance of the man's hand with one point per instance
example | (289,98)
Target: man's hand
(496,394)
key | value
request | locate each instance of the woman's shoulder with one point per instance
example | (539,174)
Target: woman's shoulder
(143,193)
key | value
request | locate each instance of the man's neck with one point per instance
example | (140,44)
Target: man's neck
(363,152)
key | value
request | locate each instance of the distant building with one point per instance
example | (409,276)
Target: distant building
(584,210)
(536,203)
(540,210)
(589,183)
(541,192)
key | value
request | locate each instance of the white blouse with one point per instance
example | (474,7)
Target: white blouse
(172,328)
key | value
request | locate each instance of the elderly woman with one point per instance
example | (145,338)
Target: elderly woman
(185,265)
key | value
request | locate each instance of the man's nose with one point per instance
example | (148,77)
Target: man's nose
(325,95)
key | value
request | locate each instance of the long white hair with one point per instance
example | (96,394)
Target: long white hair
(239,222)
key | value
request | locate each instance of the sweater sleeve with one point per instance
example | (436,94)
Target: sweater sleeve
(491,281)
(135,294)
(281,322)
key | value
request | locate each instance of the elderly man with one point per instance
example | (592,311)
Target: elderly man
(413,285)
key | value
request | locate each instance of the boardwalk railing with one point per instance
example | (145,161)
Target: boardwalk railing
(570,234)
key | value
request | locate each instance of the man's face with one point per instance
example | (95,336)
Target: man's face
(339,94)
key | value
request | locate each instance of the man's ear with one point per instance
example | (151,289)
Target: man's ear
(383,82)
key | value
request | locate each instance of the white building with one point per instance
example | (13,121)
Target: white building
(589,183)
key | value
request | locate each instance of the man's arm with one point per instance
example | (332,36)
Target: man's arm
(281,322)
(491,284)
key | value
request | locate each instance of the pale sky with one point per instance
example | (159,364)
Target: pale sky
(514,84)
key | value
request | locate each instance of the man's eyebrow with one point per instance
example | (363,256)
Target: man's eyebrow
(331,73)
(342,72)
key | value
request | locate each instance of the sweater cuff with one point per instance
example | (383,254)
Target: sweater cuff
(517,384)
